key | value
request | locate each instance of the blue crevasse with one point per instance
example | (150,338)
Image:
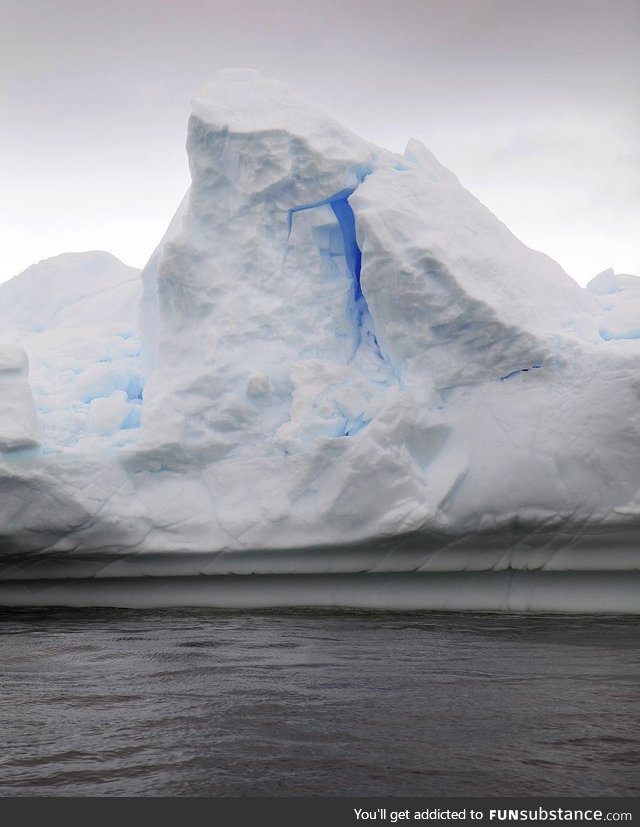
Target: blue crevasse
(518,371)
(359,309)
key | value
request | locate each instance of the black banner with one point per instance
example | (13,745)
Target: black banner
(333,812)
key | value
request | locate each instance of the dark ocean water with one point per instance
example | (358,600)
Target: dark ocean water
(201,703)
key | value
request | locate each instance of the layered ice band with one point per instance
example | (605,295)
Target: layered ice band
(510,591)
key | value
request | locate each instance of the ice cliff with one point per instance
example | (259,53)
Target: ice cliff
(346,374)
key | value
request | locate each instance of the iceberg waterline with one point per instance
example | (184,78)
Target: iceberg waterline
(347,384)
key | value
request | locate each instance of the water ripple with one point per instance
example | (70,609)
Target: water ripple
(201,703)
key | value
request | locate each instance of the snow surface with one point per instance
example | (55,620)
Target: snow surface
(343,363)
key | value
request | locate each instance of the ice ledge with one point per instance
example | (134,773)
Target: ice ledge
(606,549)
(505,591)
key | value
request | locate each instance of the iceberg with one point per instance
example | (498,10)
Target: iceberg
(339,381)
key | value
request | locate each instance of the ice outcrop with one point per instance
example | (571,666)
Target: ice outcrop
(76,315)
(18,428)
(349,379)
(619,297)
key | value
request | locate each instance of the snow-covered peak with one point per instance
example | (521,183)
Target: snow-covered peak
(245,101)
(300,241)
(417,153)
(35,297)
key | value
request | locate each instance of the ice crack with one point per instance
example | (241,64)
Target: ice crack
(358,309)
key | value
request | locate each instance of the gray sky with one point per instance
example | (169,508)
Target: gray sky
(534,104)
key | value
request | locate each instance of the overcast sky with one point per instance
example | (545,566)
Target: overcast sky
(534,104)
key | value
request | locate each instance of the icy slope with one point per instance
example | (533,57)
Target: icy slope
(347,365)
